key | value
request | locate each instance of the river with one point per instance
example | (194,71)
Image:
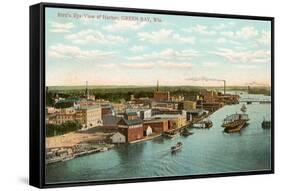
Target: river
(207,151)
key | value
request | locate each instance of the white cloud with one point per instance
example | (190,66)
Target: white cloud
(265,37)
(91,36)
(244,66)
(220,26)
(228,34)
(61,51)
(201,29)
(138,65)
(210,64)
(223,40)
(247,32)
(166,59)
(61,27)
(107,66)
(172,65)
(137,48)
(158,65)
(167,55)
(243,33)
(257,83)
(258,56)
(124,25)
(164,36)
(203,78)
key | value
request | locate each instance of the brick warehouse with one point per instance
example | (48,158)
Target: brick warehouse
(157,126)
(131,126)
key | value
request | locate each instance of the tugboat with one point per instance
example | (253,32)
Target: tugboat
(208,123)
(203,124)
(266,124)
(235,122)
(244,108)
(185,132)
(171,135)
(177,147)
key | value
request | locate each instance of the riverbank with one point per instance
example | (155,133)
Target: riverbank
(76,144)
(146,138)
(60,154)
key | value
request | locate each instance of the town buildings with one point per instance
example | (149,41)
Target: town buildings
(87,116)
(175,120)
(195,113)
(142,113)
(140,116)
(161,95)
(188,105)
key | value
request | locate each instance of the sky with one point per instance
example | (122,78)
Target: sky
(119,48)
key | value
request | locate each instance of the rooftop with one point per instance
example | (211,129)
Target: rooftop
(124,121)
(155,120)
(89,107)
(195,110)
(166,116)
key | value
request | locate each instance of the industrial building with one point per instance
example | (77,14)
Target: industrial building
(157,125)
(131,126)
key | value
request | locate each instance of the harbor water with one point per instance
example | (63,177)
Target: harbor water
(207,151)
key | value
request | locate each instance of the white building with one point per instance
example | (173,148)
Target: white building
(148,131)
(142,113)
(89,116)
(118,138)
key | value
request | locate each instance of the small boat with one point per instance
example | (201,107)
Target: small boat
(171,135)
(104,149)
(185,132)
(266,124)
(243,108)
(177,147)
(203,124)
(235,122)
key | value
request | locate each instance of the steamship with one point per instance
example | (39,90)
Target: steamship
(235,122)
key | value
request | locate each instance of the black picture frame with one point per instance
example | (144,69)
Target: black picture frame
(37,94)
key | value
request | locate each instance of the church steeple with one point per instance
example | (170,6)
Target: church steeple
(157,88)
(87,91)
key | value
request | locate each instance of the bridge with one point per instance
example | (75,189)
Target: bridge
(255,100)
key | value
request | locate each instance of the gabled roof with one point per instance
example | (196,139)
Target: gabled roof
(124,121)
(117,134)
(131,113)
(110,120)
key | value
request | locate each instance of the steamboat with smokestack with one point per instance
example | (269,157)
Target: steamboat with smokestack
(235,122)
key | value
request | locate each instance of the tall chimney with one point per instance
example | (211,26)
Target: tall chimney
(157,89)
(87,91)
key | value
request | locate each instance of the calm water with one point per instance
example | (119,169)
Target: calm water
(206,151)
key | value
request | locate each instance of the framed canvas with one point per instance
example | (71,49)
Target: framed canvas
(122,95)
